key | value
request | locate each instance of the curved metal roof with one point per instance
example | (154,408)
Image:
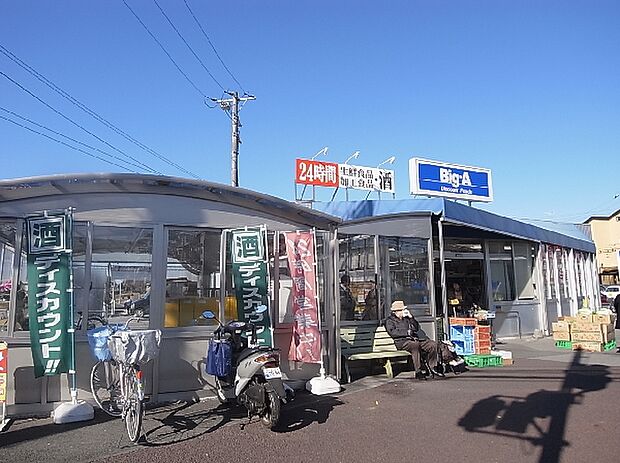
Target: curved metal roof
(55,185)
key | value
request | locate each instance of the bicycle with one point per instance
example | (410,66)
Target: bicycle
(116,379)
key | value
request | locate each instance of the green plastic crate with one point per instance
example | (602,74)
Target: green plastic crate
(564,344)
(610,345)
(483,361)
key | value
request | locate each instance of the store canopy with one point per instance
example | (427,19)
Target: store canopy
(566,235)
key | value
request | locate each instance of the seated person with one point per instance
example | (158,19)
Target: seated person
(404,330)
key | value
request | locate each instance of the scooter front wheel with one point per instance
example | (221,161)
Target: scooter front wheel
(271,416)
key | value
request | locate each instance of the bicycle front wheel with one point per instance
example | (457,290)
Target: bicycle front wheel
(106,388)
(133,406)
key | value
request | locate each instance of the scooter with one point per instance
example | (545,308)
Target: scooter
(255,379)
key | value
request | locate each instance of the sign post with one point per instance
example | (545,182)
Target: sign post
(50,305)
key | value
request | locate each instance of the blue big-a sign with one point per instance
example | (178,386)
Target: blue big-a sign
(434,178)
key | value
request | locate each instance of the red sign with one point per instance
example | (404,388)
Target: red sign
(3,370)
(306,342)
(310,172)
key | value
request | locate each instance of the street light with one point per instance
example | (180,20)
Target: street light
(389,160)
(355,155)
(319,153)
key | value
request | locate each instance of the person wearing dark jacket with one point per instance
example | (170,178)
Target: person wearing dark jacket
(403,328)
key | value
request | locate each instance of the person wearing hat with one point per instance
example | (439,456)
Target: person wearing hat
(403,328)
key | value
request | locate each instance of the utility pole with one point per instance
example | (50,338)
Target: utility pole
(231,105)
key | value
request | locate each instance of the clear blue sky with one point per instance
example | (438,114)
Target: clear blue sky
(528,89)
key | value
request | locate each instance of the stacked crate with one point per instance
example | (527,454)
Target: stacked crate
(590,332)
(482,339)
(462,335)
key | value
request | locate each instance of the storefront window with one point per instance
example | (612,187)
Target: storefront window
(502,271)
(404,267)
(121,274)
(192,276)
(7,252)
(524,258)
(358,295)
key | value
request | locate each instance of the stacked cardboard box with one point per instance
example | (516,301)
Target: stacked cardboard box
(591,332)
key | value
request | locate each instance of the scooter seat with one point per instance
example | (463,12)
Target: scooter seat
(247,352)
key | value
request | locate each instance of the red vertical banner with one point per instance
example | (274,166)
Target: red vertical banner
(306,342)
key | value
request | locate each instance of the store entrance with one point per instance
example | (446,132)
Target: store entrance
(465,286)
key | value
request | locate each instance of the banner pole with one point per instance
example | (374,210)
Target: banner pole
(72,372)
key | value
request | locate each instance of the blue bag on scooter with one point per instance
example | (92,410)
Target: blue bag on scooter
(219,357)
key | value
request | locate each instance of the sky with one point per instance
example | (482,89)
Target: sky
(527,89)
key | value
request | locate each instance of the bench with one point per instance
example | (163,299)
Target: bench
(369,342)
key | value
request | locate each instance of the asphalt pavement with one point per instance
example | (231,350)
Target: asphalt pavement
(550,406)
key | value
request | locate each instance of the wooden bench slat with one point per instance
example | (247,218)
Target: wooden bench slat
(368,342)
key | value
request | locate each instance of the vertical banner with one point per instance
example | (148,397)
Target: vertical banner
(4,371)
(249,267)
(306,342)
(49,294)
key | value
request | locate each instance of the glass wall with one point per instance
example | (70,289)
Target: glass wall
(7,253)
(512,268)
(357,276)
(192,276)
(405,273)
(120,274)
(502,271)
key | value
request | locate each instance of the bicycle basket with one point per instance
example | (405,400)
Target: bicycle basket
(135,346)
(98,342)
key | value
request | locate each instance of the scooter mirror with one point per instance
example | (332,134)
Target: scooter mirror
(260,309)
(208,314)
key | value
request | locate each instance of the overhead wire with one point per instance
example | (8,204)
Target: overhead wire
(89,111)
(188,45)
(213,47)
(65,144)
(164,50)
(61,114)
(23,118)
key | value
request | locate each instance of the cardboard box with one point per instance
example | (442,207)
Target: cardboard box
(609,319)
(602,336)
(562,325)
(568,319)
(588,346)
(587,326)
(506,361)
(561,336)
(584,318)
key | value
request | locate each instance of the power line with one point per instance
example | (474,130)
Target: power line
(67,137)
(77,125)
(165,51)
(213,47)
(63,143)
(89,111)
(188,45)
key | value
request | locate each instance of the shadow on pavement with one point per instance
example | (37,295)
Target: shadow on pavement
(23,434)
(517,417)
(298,417)
(181,424)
